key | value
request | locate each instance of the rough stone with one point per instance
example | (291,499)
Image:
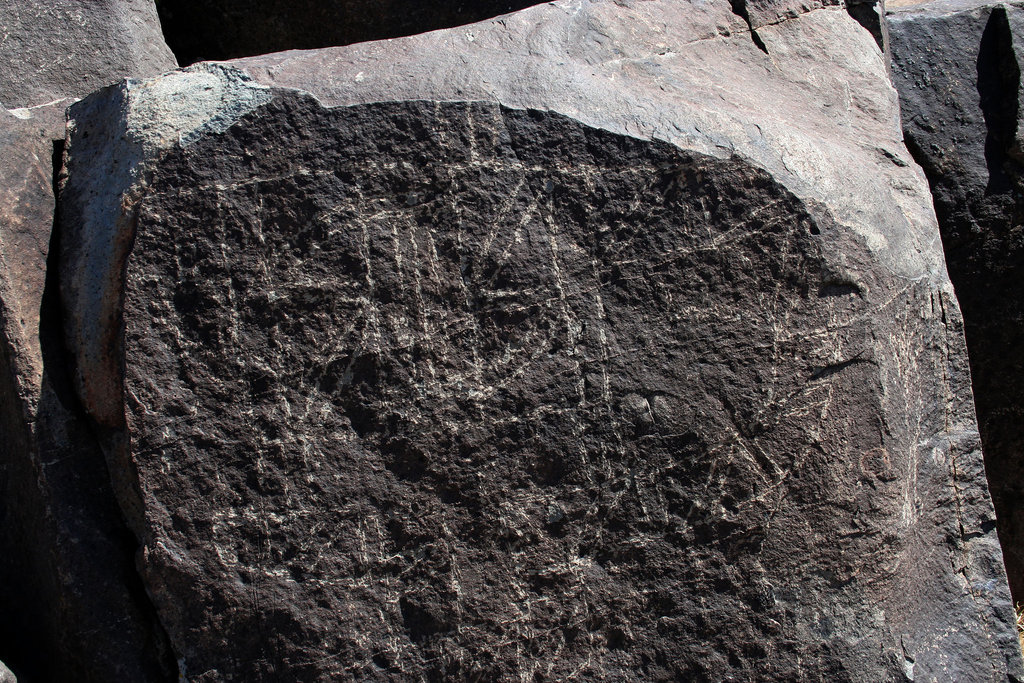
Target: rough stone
(761,13)
(693,78)
(6,676)
(74,608)
(66,563)
(26,216)
(224,29)
(957,67)
(53,49)
(613,372)
(27,138)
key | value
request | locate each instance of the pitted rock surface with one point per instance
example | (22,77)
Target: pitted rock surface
(688,74)
(26,218)
(450,390)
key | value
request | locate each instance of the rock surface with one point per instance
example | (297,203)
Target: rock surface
(223,29)
(53,49)
(73,610)
(693,78)
(27,138)
(65,554)
(957,67)
(26,216)
(614,372)
(762,13)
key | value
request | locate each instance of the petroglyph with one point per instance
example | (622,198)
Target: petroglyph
(447,390)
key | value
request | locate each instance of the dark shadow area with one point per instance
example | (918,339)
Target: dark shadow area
(56,360)
(21,633)
(198,30)
(985,254)
(869,15)
(998,86)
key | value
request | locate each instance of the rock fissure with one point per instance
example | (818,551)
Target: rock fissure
(739,8)
(957,70)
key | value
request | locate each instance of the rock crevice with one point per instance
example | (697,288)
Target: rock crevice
(957,68)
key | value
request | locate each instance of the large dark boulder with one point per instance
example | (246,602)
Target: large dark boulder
(53,49)
(957,67)
(611,372)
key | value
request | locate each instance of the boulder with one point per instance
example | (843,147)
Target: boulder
(53,49)
(224,29)
(536,348)
(957,68)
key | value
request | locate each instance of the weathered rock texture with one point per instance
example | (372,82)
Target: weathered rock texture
(957,67)
(72,609)
(52,49)
(658,383)
(72,604)
(6,676)
(27,138)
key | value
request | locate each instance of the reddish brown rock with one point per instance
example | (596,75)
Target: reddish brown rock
(55,49)
(66,566)
(73,609)
(27,137)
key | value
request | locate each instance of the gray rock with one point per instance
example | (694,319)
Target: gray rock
(6,676)
(53,49)
(224,29)
(761,13)
(957,67)
(64,548)
(615,371)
